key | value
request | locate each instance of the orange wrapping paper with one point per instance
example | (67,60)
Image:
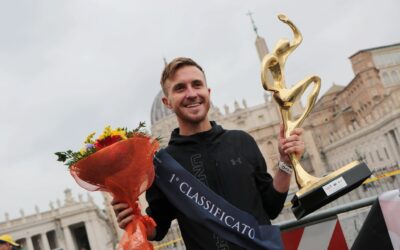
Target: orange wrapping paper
(124,169)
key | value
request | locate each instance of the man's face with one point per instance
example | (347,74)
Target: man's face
(5,246)
(187,95)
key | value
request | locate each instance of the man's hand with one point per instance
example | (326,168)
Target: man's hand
(123,212)
(125,215)
(291,145)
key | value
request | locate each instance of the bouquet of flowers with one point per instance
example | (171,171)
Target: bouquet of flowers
(119,162)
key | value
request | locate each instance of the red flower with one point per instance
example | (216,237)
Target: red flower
(99,144)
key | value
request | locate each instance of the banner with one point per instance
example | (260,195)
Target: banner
(202,205)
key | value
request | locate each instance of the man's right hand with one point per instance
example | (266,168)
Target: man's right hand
(123,212)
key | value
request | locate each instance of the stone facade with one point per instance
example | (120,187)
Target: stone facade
(361,120)
(73,225)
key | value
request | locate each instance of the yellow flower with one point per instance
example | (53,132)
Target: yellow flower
(119,132)
(89,138)
(82,151)
(108,132)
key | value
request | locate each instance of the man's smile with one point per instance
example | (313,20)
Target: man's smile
(193,105)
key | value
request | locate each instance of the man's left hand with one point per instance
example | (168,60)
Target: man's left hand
(291,145)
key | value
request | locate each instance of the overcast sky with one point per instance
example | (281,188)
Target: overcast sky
(68,68)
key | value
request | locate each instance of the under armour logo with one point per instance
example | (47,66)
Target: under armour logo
(238,161)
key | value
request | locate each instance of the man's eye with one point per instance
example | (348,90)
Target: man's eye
(178,88)
(198,84)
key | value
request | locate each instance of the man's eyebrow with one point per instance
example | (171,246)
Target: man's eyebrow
(197,81)
(179,84)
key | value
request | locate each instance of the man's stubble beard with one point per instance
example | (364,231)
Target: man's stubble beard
(185,119)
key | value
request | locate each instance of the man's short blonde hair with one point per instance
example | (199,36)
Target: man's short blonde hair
(171,68)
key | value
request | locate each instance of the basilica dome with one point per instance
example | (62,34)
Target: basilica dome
(158,109)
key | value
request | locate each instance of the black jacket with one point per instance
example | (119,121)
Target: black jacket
(231,164)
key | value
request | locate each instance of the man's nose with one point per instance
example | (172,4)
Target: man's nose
(191,92)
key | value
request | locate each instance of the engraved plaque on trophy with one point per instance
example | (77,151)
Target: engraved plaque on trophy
(313,192)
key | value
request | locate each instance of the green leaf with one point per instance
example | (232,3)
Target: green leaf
(61,156)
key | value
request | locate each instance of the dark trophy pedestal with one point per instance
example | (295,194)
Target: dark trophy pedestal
(329,188)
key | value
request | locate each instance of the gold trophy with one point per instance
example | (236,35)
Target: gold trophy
(313,192)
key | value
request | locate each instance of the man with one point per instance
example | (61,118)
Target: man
(7,242)
(227,161)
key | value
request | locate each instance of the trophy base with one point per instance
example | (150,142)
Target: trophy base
(315,195)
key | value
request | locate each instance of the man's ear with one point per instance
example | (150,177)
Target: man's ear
(166,102)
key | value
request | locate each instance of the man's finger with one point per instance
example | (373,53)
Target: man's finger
(297,131)
(294,137)
(115,201)
(120,206)
(289,144)
(125,213)
(122,224)
(294,150)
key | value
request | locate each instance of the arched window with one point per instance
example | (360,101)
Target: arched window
(386,78)
(395,76)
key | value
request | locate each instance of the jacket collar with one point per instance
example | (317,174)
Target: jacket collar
(208,135)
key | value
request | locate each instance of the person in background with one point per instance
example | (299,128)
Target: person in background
(7,242)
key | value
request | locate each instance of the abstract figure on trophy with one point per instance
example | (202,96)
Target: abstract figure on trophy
(273,79)
(313,192)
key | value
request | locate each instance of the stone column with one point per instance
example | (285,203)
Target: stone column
(91,233)
(397,134)
(45,241)
(394,137)
(69,242)
(392,147)
(60,237)
(29,243)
